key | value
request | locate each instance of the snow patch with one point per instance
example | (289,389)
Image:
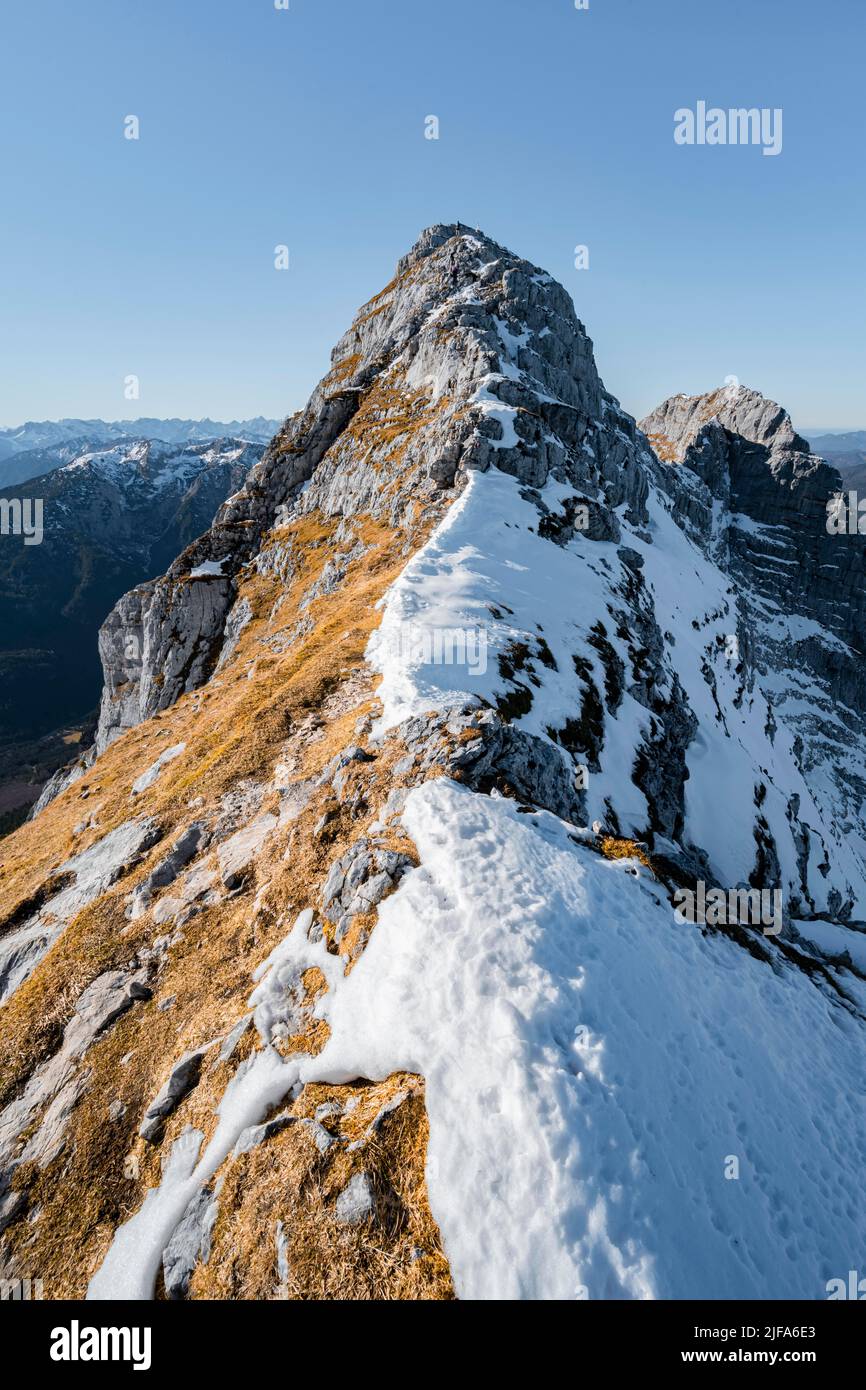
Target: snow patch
(208,569)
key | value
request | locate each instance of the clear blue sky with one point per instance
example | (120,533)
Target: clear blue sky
(306,127)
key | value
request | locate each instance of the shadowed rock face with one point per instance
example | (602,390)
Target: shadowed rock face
(762,512)
(744,449)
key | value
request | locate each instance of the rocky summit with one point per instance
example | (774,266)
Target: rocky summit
(360,955)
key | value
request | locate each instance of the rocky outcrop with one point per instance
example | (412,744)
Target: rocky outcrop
(761,505)
(663,651)
(173,630)
(415,398)
(56,1087)
(184,1076)
(77,882)
(190,1244)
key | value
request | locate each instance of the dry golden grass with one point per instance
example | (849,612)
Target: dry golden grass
(342,369)
(287,1180)
(614,847)
(664,448)
(235,731)
(309,688)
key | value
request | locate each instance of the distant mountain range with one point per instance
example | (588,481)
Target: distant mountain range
(34,448)
(827,445)
(847,452)
(853,468)
(112,517)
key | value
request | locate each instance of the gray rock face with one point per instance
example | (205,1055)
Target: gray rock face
(359,881)
(234,1038)
(150,775)
(176,625)
(674,426)
(356,1203)
(237,854)
(183,1078)
(538,772)
(61,779)
(530,421)
(238,618)
(748,490)
(78,882)
(101,1003)
(55,1087)
(12,1205)
(253,1135)
(185,848)
(189,1244)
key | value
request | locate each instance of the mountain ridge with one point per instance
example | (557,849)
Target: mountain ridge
(338,949)
(37,447)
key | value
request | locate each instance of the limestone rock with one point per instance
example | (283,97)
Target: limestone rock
(189,1244)
(183,1078)
(77,882)
(356,1203)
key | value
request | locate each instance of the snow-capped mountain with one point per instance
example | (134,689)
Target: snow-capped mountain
(109,518)
(29,450)
(424,756)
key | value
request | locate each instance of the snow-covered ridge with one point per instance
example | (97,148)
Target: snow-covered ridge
(602,675)
(155,463)
(576,1041)
(677,633)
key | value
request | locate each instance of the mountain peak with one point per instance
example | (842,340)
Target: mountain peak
(675,424)
(412,759)
(440,234)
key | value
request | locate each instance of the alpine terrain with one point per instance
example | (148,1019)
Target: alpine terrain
(109,517)
(29,450)
(465,893)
